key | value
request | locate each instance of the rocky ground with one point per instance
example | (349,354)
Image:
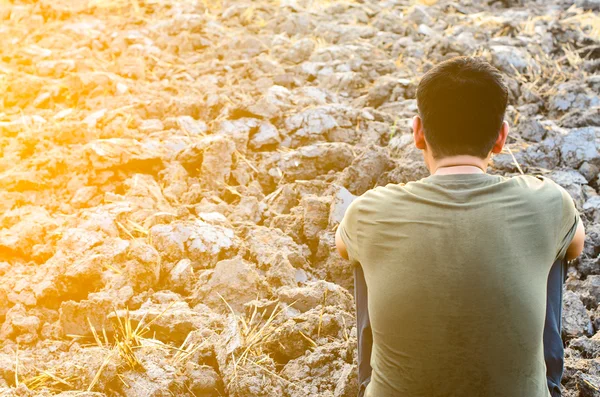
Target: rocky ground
(172,174)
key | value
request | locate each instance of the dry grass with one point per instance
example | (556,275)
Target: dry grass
(127,339)
(514,159)
(544,79)
(212,6)
(572,56)
(49,380)
(105,362)
(486,21)
(528,27)
(588,22)
(256,332)
(185,351)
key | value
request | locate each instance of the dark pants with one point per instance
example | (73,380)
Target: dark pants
(553,345)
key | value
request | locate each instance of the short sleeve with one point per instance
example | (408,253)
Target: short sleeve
(349,233)
(569,218)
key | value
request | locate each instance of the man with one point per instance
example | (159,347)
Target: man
(458,266)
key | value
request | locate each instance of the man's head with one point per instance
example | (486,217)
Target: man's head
(461,104)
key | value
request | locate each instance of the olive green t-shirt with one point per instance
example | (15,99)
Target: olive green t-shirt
(456,268)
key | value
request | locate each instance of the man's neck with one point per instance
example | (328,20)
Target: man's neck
(462,164)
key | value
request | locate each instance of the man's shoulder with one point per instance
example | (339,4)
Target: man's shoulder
(379,195)
(543,193)
(537,183)
(529,179)
(385,191)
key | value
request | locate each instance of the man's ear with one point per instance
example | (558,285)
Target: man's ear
(418,134)
(499,144)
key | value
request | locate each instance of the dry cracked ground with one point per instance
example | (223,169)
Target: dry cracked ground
(172,174)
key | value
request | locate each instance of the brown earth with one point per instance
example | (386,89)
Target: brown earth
(173,172)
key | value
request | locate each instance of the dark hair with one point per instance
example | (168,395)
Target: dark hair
(462,103)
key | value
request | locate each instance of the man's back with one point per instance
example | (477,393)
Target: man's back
(456,268)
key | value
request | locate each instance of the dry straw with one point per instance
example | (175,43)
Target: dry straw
(256,332)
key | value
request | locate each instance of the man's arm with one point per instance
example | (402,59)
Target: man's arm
(576,246)
(339,244)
